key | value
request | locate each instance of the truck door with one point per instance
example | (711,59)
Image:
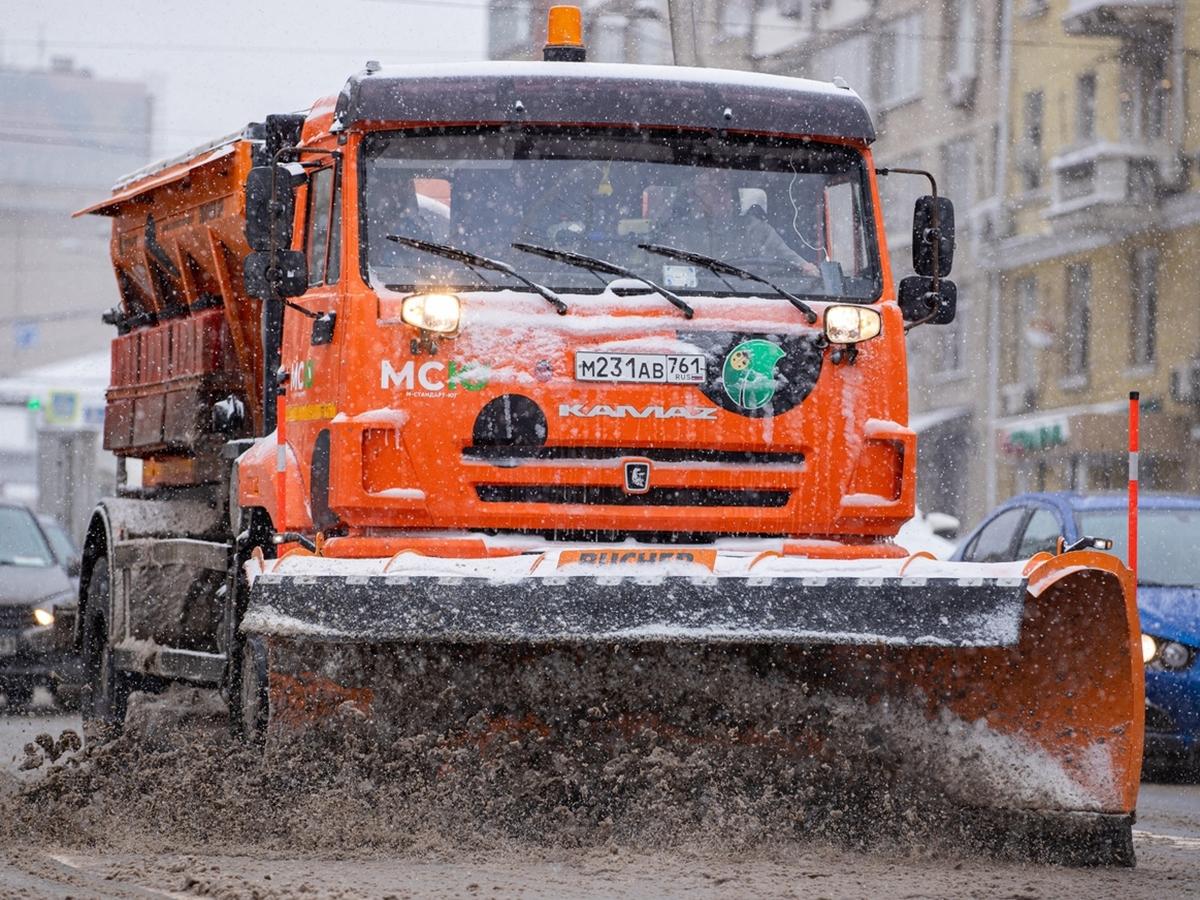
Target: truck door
(311,346)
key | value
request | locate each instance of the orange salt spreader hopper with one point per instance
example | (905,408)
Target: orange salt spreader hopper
(579,387)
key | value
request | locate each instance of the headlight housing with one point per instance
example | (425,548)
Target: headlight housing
(43,617)
(852,324)
(1174,655)
(439,313)
(1160,653)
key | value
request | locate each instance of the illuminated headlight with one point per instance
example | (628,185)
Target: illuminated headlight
(43,617)
(1149,648)
(851,324)
(1173,655)
(432,312)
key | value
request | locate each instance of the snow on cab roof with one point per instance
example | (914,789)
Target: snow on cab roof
(602,94)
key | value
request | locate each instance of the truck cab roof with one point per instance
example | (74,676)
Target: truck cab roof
(601,94)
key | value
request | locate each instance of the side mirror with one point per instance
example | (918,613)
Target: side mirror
(943,525)
(287,276)
(74,567)
(262,214)
(926,236)
(919,302)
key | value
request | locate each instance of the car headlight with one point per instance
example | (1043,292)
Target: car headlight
(1160,653)
(1149,648)
(43,617)
(438,313)
(1173,655)
(852,324)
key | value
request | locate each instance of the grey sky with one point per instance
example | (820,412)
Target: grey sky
(218,64)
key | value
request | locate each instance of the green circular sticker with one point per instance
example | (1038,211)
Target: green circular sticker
(749,373)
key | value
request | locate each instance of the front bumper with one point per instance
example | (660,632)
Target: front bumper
(37,655)
(1173,714)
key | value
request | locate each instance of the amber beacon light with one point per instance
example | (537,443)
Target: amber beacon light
(564,35)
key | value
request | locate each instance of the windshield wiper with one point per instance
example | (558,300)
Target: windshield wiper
(475,261)
(602,265)
(719,267)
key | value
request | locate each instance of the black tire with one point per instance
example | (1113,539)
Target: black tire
(253,697)
(18,696)
(105,690)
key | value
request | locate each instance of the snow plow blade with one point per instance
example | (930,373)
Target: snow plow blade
(1012,692)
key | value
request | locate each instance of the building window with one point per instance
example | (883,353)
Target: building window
(606,39)
(958,172)
(790,9)
(850,59)
(1085,107)
(735,18)
(948,344)
(1077,328)
(1025,332)
(1143,321)
(963,44)
(1145,93)
(509,26)
(1029,156)
(898,193)
(898,64)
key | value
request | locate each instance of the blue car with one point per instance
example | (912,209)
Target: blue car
(1168,593)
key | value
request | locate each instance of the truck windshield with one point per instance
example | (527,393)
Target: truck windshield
(795,212)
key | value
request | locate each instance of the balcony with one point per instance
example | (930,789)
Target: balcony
(1106,184)
(1118,18)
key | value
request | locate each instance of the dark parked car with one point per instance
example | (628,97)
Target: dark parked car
(64,548)
(1168,592)
(34,588)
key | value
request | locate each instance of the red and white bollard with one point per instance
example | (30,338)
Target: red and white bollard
(1133,481)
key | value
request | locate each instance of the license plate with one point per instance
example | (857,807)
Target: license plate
(640,368)
(8,645)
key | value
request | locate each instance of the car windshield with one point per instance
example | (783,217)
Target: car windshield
(795,212)
(21,541)
(1167,541)
(61,543)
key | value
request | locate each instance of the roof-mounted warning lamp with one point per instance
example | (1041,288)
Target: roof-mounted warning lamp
(564,35)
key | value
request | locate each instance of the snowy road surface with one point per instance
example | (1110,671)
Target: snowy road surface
(1167,834)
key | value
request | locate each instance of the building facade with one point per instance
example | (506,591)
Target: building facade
(68,136)
(1094,243)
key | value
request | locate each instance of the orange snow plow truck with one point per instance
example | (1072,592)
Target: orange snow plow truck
(593,374)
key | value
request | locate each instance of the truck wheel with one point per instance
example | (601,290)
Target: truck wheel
(105,690)
(255,700)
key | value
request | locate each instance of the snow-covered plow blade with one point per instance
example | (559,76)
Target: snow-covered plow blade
(1012,691)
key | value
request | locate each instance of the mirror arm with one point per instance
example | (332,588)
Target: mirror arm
(937,224)
(280,155)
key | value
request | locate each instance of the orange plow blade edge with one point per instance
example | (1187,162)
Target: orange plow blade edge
(1028,744)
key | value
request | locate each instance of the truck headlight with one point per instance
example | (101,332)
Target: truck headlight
(43,617)
(438,313)
(851,324)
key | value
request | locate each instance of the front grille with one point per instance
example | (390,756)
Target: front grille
(612,496)
(14,617)
(1158,720)
(500,454)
